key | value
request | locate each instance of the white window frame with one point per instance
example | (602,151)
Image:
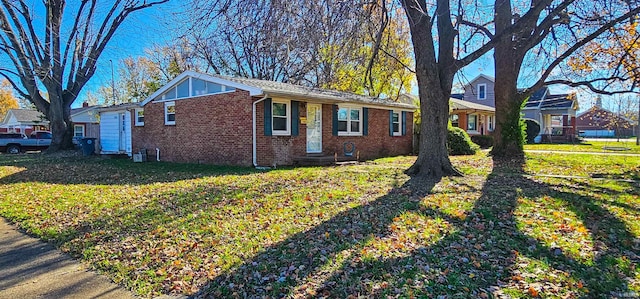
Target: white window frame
(163,97)
(361,120)
(457,123)
(74,130)
(286,132)
(135,114)
(491,123)
(485,91)
(167,122)
(476,122)
(399,132)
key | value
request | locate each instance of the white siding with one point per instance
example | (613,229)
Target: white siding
(109,132)
(85,117)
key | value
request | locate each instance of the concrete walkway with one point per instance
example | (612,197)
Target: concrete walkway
(582,153)
(30,268)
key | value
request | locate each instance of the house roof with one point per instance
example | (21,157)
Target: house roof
(492,79)
(457,104)
(258,87)
(117,107)
(594,108)
(26,116)
(80,110)
(299,91)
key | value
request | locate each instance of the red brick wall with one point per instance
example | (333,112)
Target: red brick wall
(217,129)
(280,150)
(213,129)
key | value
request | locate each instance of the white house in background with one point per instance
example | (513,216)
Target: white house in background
(115,129)
(24,121)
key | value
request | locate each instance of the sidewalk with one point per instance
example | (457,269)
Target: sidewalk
(581,153)
(30,268)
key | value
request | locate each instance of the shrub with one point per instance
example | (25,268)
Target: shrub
(533,129)
(484,141)
(459,143)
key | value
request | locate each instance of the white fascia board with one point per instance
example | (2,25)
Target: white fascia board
(253,91)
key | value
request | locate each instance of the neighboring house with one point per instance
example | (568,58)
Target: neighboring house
(476,119)
(201,118)
(24,121)
(115,128)
(474,110)
(85,122)
(600,122)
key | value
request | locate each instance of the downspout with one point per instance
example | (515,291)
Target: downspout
(255,134)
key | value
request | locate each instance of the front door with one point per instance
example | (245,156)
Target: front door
(314,128)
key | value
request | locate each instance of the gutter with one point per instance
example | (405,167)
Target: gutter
(255,140)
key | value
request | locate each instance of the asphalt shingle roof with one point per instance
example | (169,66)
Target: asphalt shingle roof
(287,89)
(28,116)
(457,104)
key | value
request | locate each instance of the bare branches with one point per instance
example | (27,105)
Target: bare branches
(591,85)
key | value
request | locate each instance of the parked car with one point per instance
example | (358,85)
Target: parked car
(14,143)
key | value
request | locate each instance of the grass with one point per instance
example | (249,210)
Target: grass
(627,146)
(362,230)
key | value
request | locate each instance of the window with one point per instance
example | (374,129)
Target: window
(472,123)
(78,131)
(170,113)
(455,120)
(395,123)
(490,123)
(139,117)
(349,121)
(281,113)
(482,91)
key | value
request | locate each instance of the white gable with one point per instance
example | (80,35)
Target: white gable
(192,84)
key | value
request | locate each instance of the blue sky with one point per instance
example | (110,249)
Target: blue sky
(140,31)
(156,25)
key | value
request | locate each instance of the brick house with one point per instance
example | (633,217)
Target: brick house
(199,118)
(600,122)
(474,110)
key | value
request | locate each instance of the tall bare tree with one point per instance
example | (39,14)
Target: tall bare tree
(549,33)
(57,52)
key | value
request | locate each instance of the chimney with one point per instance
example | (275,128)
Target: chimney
(599,102)
(85,104)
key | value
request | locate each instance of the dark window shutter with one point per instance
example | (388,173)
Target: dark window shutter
(404,123)
(365,121)
(334,113)
(295,119)
(390,122)
(267,117)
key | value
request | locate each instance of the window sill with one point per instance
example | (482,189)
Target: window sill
(274,133)
(170,124)
(349,134)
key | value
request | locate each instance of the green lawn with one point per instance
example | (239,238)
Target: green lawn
(627,146)
(349,231)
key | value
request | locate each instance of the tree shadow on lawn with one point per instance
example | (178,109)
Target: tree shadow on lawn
(100,171)
(482,251)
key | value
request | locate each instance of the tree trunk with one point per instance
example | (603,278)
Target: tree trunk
(508,135)
(61,126)
(434,88)
(433,157)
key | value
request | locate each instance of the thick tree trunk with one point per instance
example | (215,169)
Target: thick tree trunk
(434,88)
(508,136)
(61,126)
(433,157)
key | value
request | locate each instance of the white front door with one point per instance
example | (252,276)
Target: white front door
(314,128)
